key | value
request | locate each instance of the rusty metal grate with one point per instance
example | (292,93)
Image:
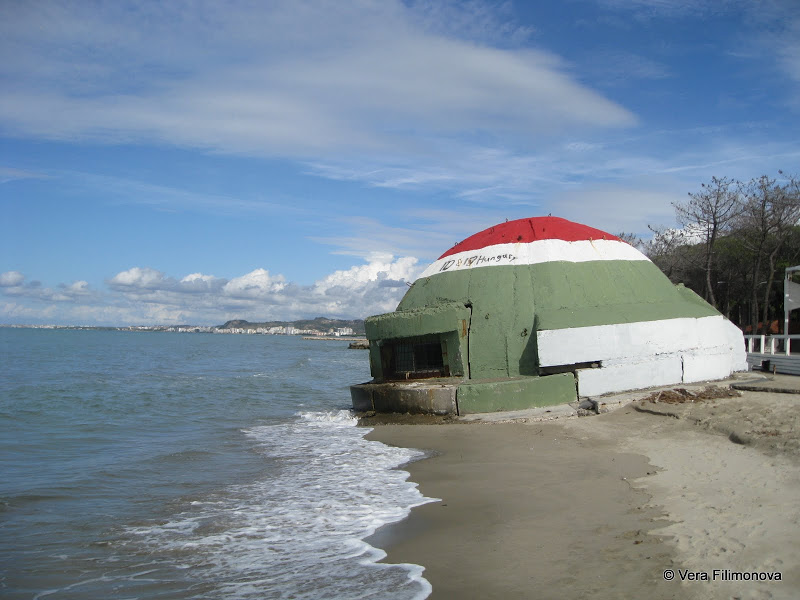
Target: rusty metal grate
(414,358)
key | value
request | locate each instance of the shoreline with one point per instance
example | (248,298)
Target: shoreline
(332,338)
(601,506)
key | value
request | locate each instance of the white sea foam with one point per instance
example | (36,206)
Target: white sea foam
(298,532)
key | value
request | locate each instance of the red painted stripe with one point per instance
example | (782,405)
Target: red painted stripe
(529,230)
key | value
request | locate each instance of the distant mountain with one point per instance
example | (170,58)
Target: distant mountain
(322,324)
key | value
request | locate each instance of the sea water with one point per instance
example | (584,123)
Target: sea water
(166,465)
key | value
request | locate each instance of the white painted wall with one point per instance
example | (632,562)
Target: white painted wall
(630,375)
(647,353)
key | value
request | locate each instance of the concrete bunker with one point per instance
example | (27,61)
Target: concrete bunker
(539,312)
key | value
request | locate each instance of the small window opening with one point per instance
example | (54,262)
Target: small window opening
(415,358)
(554,370)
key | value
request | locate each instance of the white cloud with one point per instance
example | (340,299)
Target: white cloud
(369,238)
(132,191)
(78,287)
(299,79)
(199,283)
(198,277)
(72,292)
(11,279)
(788,47)
(617,67)
(140,278)
(256,284)
(380,268)
(12,283)
(381,271)
(616,209)
(143,295)
(16,312)
(490,22)
(424,233)
(434,96)
(8,174)
(646,9)
(507,184)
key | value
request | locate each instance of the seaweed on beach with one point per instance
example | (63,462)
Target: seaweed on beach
(682,395)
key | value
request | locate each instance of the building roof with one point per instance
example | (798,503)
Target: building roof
(523,231)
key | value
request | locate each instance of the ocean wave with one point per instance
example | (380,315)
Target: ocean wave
(344,417)
(300,531)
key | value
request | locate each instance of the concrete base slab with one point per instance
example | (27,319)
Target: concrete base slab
(437,397)
(455,396)
(515,394)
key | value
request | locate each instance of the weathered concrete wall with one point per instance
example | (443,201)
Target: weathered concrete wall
(565,295)
(647,353)
(434,318)
(510,303)
(501,339)
(458,396)
(599,293)
(428,396)
(705,364)
(450,319)
(628,340)
(515,394)
(511,308)
(630,374)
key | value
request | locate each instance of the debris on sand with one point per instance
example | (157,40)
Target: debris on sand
(682,395)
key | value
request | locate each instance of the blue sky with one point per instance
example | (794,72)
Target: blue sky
(192,162)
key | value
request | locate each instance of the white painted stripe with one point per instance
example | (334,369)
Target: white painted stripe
(532,253)
(652,371)
(639,339)
(646,353)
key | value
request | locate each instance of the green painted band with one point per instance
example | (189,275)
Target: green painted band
(564,294)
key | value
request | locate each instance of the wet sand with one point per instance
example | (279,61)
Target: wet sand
(601,506)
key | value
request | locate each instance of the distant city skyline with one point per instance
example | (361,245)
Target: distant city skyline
(185,162)
(327,333)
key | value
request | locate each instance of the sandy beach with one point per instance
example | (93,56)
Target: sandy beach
(602,506)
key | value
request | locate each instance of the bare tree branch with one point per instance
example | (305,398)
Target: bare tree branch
(711,212)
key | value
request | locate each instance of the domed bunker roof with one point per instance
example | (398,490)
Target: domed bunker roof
(549,299)
(524,231)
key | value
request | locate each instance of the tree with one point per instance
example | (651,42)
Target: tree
(710,212)
(632,239)
(770,212)
(738,267)
(732,265)
(672,251)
